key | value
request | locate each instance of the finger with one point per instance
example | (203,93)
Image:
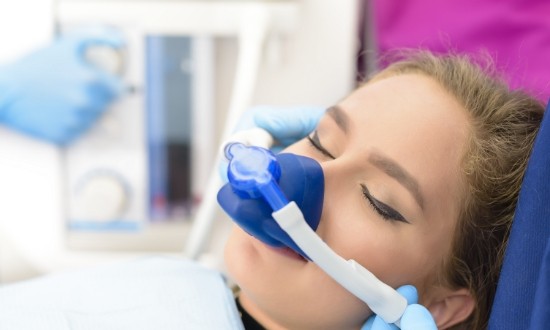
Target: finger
(417,317)
(410,293)
(288,124)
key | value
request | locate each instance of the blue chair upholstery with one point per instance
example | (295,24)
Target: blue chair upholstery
(522,299)
(541,309)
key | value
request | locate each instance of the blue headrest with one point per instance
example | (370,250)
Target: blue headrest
(522,299)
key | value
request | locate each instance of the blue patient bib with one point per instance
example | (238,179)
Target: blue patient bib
(145,294)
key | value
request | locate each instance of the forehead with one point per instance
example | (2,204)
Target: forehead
(414,121)
(414,102)
(407,91)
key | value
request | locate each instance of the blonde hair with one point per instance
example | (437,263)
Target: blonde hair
(504,125)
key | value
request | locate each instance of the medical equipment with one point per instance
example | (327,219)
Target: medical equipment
(149,134)
(134,181)
(253,173)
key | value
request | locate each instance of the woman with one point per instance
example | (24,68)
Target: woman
(422,168)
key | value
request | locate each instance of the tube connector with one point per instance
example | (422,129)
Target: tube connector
(253,172)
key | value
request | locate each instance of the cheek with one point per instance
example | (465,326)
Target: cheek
(396,253)
(393,252)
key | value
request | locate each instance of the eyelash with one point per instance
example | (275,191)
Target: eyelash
(386,212)
(314,142)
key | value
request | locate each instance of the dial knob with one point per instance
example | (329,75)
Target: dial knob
(101,196)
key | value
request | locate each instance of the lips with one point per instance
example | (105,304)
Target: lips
(286,252)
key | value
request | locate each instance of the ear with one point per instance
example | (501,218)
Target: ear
(449,307)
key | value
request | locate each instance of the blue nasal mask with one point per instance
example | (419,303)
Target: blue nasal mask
(254,172)
(279,200)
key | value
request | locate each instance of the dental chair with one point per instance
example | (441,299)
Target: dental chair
(522,300)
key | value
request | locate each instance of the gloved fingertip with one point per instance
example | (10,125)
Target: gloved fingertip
(291,123)
(418,317)
(410,293)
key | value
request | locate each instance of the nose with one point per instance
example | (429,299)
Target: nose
(335,173)
(301,180)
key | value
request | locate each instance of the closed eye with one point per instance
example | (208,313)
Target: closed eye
(385,211)
(313,139)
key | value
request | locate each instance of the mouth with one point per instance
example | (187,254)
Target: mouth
(287,252)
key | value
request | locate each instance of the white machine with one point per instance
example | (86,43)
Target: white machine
(134,181)
(141,168)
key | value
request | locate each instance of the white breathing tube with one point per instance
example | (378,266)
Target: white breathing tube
(382,299)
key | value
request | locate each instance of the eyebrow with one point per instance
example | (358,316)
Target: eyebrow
(339,116)
(393,169)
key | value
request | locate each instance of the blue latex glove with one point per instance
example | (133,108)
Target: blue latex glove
(416,317)
(287,124)
(54,93)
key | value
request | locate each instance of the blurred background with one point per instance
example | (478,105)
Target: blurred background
(131,185)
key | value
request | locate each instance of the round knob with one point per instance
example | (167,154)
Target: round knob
(101,197)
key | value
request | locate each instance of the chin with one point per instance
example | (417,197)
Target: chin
(281,286)
(239,253)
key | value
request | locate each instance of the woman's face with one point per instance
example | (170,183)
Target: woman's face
(391,155)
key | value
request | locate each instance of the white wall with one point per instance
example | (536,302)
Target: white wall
(24,24)
(29,170)
(317,62)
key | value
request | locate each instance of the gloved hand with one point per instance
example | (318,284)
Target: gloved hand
(416,317)
(54,93)
(286,124)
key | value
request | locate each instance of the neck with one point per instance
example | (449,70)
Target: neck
(258,314)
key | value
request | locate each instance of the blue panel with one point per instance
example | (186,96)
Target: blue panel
(155,127)
(169,91)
